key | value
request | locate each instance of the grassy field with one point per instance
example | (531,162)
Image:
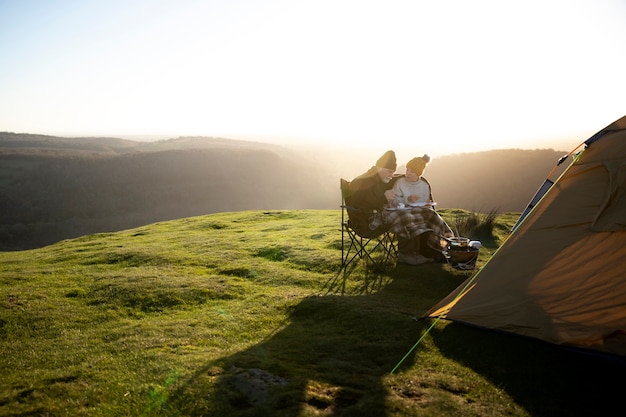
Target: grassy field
(247,314)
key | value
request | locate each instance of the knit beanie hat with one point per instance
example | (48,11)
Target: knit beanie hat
(388,160)
(418,164)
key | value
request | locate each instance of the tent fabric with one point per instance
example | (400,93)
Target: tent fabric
(561,275)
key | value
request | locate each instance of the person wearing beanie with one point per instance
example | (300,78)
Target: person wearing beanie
(370,193)
(387,161)
(416,243)
(412,188)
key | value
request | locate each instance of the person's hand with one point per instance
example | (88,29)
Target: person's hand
(390,195)
(413,198)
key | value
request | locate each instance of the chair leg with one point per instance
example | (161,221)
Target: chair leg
(366,248)
(354,249)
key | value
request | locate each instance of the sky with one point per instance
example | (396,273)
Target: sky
(433,77)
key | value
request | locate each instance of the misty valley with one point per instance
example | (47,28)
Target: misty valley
(54,188)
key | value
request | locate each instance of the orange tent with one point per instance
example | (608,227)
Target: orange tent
(561,275)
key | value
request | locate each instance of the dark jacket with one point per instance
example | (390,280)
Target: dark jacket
(366,195)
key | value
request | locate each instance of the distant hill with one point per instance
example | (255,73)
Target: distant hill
(53,188)
(500,179)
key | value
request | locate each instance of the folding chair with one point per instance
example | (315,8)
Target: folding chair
(377,247)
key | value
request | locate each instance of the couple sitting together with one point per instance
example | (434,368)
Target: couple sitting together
(380,201)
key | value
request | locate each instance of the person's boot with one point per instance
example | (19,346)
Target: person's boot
(406,252)
(422,259)
(408,259)
(417,244)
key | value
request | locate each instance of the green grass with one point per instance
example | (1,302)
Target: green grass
(245,314)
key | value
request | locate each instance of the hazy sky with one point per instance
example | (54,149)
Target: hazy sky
(434,76)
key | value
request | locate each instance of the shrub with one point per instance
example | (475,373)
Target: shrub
(476,225)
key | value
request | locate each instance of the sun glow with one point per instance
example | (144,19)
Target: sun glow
(430,76)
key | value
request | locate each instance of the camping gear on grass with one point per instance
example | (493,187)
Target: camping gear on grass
(463,258)
(462,252)
(458,242)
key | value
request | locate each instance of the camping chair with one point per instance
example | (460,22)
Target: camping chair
(377,247)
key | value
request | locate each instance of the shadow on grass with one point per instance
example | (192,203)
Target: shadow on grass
(374,280)
(544,379)
(331,357)
(334,354)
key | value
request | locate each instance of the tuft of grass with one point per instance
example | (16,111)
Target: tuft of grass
(247,313)
(476,225)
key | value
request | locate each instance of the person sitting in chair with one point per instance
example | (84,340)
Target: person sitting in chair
(418,228)
(370,193)
(412,188)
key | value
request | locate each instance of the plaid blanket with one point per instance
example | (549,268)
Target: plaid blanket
(415,221)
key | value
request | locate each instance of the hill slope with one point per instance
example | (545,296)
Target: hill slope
(240,314)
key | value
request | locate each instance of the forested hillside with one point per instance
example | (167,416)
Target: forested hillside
(56,188)
(503,179)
